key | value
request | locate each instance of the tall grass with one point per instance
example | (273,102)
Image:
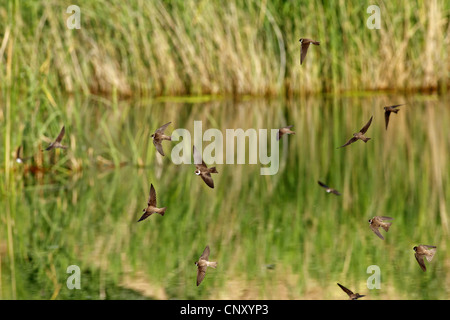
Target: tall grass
(156,48)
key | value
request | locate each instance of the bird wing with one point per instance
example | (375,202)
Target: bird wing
(161,129)
(61,134)
(158,146)
(18,152)
(206,176)
(386,218)
(201,272)
(377,232)
(323,185)
(386,118)
(364,129)
(335,192)
(205,254)
(349,142)
(347,291)
(144,216)
(419,259)
(303,51)
(152,197)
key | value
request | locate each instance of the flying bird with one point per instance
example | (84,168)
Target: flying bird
(151,205)
(202,264)
(19,157)
(159,136)
(304,47)
(388,110)
(359,135)
(202,170)
(377,222)
(328,189)
(57,142)
(351,295)
(422,251)
(283,131)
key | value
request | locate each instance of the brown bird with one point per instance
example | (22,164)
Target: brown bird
(202,264)
(359,135)
(328,189)
(304,47)
(151,205)
(388,110)
(422,251)
(159,136)
(202,169)
(57,142)
(351,295)
(377,222)
(19,157)
(283,131)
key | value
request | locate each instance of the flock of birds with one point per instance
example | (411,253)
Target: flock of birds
(421,251)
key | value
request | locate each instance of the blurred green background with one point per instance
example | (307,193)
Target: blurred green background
(135,66)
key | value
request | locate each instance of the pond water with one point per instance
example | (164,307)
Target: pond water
(275,236)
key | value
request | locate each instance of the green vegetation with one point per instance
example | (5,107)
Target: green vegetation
(154,48)
(136,65)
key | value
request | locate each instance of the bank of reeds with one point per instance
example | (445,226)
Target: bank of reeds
(234,47)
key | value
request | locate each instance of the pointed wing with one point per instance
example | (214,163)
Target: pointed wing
(206,176)
(61,134)
(158,146)
(144,216)
(323,185)
(335,192)
(201,272)
(386,218)
(161,129)
(347,291)
(430,247)
(349,142)
(18,152)
(396,105)
(364,129)
(152,197)
(386,118)
(377,232)
(205,254)
(419,259)
(303,51)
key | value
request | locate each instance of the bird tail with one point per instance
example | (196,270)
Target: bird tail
(432,252)
(162,211)
(213,170)
(213,264)
(386,226)
(396,111)
(366,139)
(316,42)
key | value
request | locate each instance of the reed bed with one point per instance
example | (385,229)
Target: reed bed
(166,48)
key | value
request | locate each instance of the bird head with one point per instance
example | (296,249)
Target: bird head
(415,248)
(197,172)
(301,40)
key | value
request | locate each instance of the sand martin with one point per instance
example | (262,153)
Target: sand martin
(328,189)
(351,295)
(377,222)
(359,135)
(283,131)
(159,136)
(304,47)
(422,251)
(151,205)
(202,264)
(57,142)
(387,112)
(202,169)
